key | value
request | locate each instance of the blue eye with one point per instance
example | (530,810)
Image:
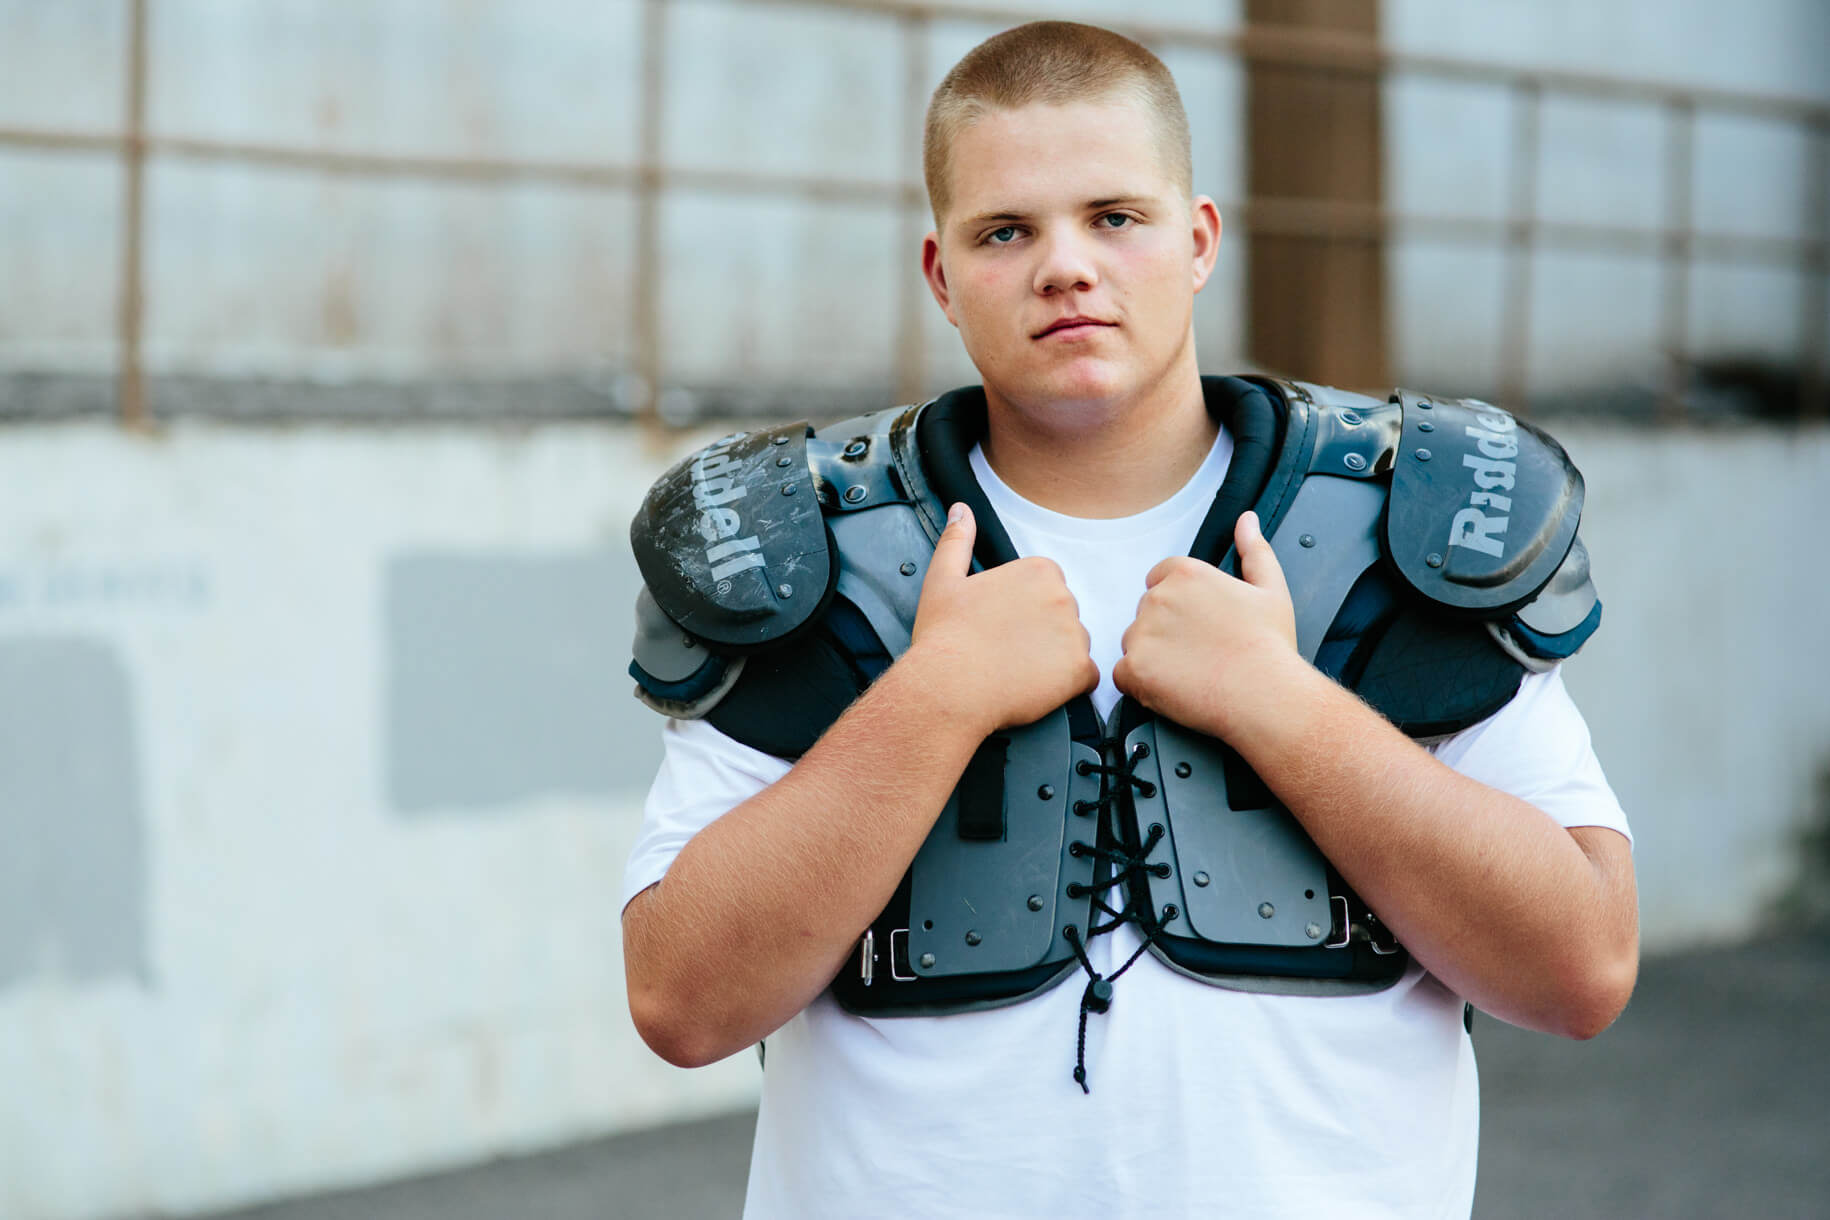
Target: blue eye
(1003,236)
(1120,217)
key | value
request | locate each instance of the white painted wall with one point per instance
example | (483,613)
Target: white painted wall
(337,990)
(333,992)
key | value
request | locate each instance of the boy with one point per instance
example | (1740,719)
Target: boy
(1252,1075)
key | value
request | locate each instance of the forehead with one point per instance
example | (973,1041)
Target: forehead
(1040,156)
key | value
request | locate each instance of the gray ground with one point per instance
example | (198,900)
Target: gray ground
(1710,1097)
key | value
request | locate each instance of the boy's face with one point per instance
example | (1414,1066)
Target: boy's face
(1068,257)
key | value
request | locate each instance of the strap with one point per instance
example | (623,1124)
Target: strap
(981,792)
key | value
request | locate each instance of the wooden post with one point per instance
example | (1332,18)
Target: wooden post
(1314,135)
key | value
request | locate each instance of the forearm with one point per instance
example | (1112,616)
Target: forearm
(1529,921)
(764,905)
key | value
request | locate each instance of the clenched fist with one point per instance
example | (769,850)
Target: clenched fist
(1007,643)
(1209,650)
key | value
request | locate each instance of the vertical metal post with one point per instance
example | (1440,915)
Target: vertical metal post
(1675,252)
(131,391)
(911,218)
(1515,308)
(1814,297)
(647,335)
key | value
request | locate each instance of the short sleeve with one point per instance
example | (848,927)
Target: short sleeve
(1537,748)
(703,774)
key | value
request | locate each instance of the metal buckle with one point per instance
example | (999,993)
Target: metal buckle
(867,955)
(904,933)
(1339,903)
(1374,928)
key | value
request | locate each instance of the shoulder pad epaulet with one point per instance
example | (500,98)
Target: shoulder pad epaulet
(1483,508)
(732,542)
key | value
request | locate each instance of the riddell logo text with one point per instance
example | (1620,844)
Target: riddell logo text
(1494,470)
(717,484)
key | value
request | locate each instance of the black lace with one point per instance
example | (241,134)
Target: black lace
(1121,866)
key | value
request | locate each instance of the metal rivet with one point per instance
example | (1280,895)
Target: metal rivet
(1046,792)
(854,493)
(1307,540)
(784,590)
(1354,461)
(927,961)
(780,440)
(1425,426)
(907,568)
(1266,910)
(789,489)
(784,461)
(857,448)
(1035,902)
(1140,750)
(1156,828)
(1313,931)
(1184,770)
(973,938)
(687,641)
(1433,559)
(1423,455)
(1170,912)
(1348,417)
(1202,878)
(1424,403)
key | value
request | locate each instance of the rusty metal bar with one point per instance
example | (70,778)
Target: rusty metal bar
(1814,297)
(647,313)
(912,218)
(1674,307)
(1354,221)
(1285,217)
(131,379)
(1515,308)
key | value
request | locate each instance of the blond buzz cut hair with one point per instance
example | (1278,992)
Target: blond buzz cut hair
(1052,63)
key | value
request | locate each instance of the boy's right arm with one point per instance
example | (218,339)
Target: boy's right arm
(762,907)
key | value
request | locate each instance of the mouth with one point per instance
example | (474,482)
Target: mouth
(1071,327)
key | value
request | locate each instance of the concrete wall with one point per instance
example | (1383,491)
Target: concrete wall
(317,774)
(318,771)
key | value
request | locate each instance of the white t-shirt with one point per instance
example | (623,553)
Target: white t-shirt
(1205,1102)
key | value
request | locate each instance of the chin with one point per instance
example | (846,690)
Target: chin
(1083,382)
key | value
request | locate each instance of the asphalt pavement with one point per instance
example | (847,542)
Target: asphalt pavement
(1710,1097)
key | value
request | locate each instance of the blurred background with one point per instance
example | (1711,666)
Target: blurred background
(340,340)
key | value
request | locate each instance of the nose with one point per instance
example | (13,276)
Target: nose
(1066,264)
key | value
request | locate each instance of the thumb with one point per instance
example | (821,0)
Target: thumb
(1257,562)
(953,551)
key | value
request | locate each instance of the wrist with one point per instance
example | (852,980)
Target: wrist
(931,678)
(1275,703)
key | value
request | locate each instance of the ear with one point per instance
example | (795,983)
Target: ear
(1205,214)
(936,275)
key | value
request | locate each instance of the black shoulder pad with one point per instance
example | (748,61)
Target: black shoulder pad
(732,543)
(1483,507)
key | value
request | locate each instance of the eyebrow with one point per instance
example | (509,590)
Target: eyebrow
(1092,205)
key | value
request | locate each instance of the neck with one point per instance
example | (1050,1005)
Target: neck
(1111,458)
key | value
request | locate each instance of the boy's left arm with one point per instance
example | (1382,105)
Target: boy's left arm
(1529,921)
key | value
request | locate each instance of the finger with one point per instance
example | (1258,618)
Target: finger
(952,557)
(1257,562)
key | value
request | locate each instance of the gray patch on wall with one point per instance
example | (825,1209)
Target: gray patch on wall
(507,678)
(73,869)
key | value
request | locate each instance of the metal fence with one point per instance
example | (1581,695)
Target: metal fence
(1676,243)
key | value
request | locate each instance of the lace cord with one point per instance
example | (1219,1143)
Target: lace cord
(1124,867)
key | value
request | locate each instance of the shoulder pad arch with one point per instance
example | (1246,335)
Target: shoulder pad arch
(732,543)
(1483,508)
